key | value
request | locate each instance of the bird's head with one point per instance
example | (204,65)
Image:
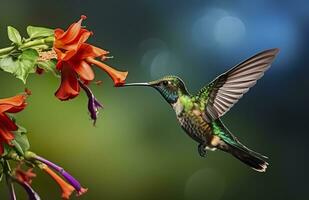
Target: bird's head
(170,87)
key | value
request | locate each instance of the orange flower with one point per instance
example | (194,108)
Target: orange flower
(24,176)
(7,125)
(71,180)
(66,188)
(75,58)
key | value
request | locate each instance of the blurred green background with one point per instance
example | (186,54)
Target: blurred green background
(138,150)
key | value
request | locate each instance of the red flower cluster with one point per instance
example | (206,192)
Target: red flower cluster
(75,58)
(24,176)
(7,125)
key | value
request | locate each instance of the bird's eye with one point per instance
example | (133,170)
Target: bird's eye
(165,83)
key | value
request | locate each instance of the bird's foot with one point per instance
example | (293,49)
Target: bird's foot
(202,150)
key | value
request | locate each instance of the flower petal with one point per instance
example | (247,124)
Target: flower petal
(72,32)
(6,128)
(66,51)
(58,32)
(1,147)
(69,54)
(117,76)
(6,123)
(72,181)
(84,71)
(60,55)
(13,104)
(87,50)
(64,55)
(66,188)
(93,104)
(82,37)
(69,87)
(6,136)
(32,195)
(24,176)
(82,191)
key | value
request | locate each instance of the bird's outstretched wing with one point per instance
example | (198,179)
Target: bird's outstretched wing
(222,93)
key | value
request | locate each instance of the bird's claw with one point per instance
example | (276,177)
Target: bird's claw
(202,150)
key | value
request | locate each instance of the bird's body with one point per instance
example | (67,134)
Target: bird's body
(199,115)
(188,113)
(209,135)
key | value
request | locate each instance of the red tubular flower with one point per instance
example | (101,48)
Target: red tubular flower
(24,176)
(24,179)
(7,125)
(75,58)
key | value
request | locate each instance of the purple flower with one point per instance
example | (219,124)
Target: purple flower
(93,104)
(23,178)
(31,193)
(72,181)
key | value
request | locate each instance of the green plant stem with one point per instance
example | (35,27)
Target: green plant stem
(1,171)
(9,182)
(38,42)
(43,42)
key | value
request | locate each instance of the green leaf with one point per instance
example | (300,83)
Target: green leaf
(14,35)
(7,64)
(18,148)
(30,55)
(49,66)
(21,130)
(21,67)
(21,142)
(7,148)
(36,32)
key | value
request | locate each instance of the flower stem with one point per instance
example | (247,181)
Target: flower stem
(33,43)
(11,188)
(9,182)
(44,43)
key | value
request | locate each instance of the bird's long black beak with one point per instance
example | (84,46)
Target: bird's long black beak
(136,84)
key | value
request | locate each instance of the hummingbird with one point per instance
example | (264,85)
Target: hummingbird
(199,115)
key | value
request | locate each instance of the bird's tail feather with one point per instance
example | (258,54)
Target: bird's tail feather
(253,159)
(232,145)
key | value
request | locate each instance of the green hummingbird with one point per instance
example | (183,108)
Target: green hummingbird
(199,115)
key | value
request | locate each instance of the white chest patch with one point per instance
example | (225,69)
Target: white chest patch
(178,107)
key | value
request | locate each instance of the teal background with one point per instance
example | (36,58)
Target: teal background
(137,150)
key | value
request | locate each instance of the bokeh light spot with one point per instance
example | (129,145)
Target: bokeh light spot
(202,31)
(229,31)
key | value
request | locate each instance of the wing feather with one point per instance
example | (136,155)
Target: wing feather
(225,91)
